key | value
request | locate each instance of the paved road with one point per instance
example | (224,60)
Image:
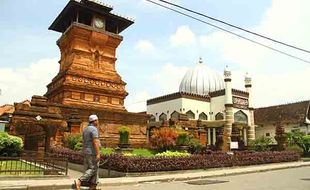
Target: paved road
(289,179)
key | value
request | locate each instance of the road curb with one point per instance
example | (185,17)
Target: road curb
(164,178)
(121,183)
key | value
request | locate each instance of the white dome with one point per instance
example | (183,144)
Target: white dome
(201,80)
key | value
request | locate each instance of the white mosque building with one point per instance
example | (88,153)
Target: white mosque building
(208,105)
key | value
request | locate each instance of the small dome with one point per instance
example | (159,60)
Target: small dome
(201,80)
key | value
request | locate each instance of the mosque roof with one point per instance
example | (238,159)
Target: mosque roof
(201,80)
(6,109)
(176,95)
(293,113)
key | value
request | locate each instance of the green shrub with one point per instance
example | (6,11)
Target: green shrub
(78,146)
(71,140)
(300,139)
(194,146)
(172,154)
(183,139)
(295,148)
(124,133)
(107,151)
(10,145)
(260,144)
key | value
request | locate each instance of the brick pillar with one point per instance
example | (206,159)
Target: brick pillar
(251,132)
(229,117)
(203,137)
(227,127)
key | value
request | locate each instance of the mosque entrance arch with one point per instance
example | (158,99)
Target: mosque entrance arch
(240,117)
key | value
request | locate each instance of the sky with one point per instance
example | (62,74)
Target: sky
(161,46)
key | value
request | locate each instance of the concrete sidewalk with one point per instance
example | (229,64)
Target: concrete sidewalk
(66,182)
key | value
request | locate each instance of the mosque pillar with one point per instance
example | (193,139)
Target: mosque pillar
(245,136)
(209,136)
(214,136)
(229,111)
(248,87)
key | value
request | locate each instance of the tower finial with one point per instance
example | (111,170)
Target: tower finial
(247,80)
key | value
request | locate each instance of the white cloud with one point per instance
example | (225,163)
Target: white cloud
(166,81)
(138,102)
(277,78)
(144,46)
(20,84)
(184,36)
(169,78)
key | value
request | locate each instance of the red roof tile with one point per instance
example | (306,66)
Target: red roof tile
(293,113)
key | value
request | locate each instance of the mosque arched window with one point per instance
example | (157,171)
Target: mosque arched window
(174,115)
(219,116)
(240,117)
(163,117)
(152,118)
(190,114)
(203,116)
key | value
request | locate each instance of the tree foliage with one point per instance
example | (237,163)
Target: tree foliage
(10,145)
(300,139)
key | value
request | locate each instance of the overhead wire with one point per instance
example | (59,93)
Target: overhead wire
(228,31)
(234,26)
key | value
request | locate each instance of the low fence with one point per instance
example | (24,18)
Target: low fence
(25,165)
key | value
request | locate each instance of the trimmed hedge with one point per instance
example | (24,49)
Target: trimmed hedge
(198,161)
(10,145)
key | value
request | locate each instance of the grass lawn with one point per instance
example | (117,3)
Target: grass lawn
(306,159)
(15,167)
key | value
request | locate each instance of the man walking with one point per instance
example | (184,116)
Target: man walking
(91,150)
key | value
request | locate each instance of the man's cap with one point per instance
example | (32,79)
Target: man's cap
(92,118)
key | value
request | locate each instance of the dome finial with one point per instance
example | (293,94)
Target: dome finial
(247,79)
(200,60)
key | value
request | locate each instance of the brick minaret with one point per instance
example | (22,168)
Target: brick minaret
(248,86)
(87,74)
(229,110)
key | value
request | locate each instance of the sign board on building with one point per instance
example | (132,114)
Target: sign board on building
(2,127)
(234,145)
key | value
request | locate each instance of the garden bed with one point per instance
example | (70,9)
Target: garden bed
(130,164)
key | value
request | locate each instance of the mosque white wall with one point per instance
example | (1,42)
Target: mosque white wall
(217,105)
(167,107)
(181,105)
(196,106)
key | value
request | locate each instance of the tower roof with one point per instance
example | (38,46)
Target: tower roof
(69,14)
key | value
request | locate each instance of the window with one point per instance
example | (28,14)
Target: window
(241,117)
(163,117)
(190,115)
(96,98)
(219,116)
(267,134)
(152,118)
(174,115)
(203,116)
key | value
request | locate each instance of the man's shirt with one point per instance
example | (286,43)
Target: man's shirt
(89,134)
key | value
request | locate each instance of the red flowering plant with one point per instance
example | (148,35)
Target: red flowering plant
(164,139)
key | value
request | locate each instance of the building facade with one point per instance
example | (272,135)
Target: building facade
(293,117)
(206,104)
